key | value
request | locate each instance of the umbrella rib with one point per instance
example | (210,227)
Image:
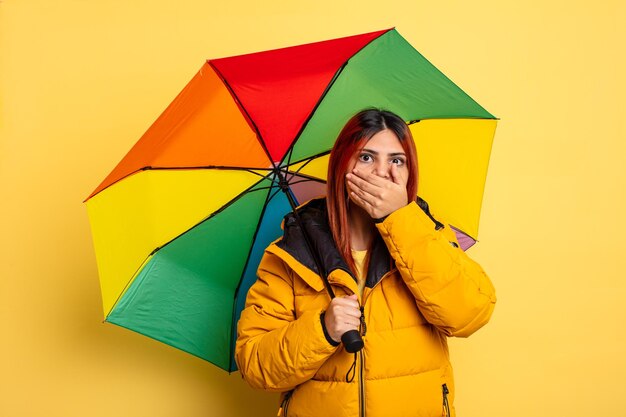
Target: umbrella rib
(325,92)
(306,122)
(245,266)
(218,167)
(215,213)
(251,170)
(244,111)
(308,179)
(158,248)
(139,268)
(274,194)
(297,171)
(310,158)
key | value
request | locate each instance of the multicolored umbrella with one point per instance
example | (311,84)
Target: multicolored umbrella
(179,226)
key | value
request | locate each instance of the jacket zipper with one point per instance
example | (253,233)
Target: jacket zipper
(361,357)
(361,386)
(362,367)
(446,405)
(376,285)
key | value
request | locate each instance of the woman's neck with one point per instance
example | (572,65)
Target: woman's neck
(361,227)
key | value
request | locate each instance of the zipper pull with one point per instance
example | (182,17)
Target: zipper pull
(352,371)
(362,318)
(446,407)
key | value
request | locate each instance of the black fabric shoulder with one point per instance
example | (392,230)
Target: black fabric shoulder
(314,218)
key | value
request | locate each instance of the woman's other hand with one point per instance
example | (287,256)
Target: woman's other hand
(342,314)
(379,196)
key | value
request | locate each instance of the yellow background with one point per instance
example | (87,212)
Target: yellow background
(82,80)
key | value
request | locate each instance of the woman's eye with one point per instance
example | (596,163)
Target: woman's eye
(365,157)
(397,161)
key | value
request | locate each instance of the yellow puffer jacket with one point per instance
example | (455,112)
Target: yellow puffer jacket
(421,288)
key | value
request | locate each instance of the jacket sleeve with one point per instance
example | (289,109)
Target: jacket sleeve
(275,350)
(450,289)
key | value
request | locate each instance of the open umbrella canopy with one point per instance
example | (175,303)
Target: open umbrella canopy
(180,224)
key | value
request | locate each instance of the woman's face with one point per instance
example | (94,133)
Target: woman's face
(378,155)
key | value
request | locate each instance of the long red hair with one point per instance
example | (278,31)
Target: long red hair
(353,137)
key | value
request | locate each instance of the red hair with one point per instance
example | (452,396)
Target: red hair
(353,137)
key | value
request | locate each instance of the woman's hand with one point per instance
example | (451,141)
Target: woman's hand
(377,195)
(343,314)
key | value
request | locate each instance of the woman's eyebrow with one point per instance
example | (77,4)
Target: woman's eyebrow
(376,152)
(369,150)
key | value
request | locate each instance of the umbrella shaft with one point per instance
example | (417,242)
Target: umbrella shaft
(307,240)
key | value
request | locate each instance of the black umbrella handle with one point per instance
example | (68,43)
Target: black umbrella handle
(352,341)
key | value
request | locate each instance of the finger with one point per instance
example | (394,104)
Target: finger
(352,324)
(360,182)
(343,318)
(355,189)
(352,314)
(368,194)
(352,309)
(369,179)
(360,201)
(352,298)
(347,302)
(395,175)
(343,313)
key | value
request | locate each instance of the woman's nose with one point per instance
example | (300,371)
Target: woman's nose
(381,169)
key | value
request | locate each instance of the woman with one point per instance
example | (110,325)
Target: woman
(399,278)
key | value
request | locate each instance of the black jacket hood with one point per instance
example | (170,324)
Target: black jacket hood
(314,218)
